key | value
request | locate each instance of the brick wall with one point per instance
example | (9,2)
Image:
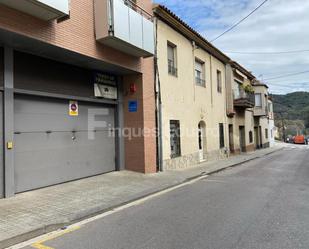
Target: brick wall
(76,33)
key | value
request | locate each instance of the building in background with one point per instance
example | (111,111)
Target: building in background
(240,104)
(192,86)
(261,119)
(71,78)
(271,122)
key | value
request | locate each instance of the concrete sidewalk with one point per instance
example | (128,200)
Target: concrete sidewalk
(34,213)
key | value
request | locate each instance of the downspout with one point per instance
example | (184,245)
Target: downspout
(193,58)
(157,89)
(211,81)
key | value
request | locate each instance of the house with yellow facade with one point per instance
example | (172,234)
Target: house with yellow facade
(205,101)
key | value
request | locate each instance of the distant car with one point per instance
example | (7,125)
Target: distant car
(300,139)
(290,140)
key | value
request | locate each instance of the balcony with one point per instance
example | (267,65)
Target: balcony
(172,70)
(243,99)
(123,25)
(43,9)
(200,82)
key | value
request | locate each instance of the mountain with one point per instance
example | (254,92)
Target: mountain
(293,110)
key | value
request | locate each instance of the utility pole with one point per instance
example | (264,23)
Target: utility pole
(283,125)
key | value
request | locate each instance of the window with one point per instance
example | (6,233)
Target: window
(250,137)
(258,100)
(266,133)
(237,89)
(219,81)
(199,73)
(221,135)
(171,57)
(175,138)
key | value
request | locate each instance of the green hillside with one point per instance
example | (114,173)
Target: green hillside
(293,109)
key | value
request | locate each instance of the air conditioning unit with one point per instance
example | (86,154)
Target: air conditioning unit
(105,91)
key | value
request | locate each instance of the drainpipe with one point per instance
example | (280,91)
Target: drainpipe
(193,58)
(157,89)
(211,81)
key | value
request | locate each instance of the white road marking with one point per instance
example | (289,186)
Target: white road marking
(60,232)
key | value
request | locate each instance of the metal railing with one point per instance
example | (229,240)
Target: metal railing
(199,81)
(171,68)
(242,94)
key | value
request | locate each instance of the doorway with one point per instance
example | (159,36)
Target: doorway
(231,138)
(202,140)
(242,139)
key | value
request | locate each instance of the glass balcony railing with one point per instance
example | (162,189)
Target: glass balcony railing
(42,9)
(125,26)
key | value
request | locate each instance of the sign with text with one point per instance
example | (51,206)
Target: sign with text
(104,79)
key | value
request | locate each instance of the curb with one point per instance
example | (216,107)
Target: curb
(96,211)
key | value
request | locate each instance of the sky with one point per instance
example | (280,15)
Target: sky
(279,25)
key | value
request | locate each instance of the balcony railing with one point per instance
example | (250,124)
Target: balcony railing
(199,81)
(42,9)
(243,99)
(125,26)
(172,70)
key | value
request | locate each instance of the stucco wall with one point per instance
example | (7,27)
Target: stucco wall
(183,100)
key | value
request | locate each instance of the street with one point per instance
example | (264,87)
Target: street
(260,204)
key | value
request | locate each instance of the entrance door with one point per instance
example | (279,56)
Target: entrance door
(53,147)
(256,135)
(242,139)
(175,138)
(231,138)
(202,141)
(260,137)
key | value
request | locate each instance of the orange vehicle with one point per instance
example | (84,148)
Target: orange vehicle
(300,139)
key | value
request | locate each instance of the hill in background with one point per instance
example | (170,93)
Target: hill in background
(292,110)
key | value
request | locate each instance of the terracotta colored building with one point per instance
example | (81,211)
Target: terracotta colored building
(77,87)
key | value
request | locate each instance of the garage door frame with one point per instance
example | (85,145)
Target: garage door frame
(119,142)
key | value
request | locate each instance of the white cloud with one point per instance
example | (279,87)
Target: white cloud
(280,25)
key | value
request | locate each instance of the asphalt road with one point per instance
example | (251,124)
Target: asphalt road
(260,204)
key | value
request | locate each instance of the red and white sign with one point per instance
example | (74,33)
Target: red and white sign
(73,108)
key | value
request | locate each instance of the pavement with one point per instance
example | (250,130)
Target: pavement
(261,204)
(34,213)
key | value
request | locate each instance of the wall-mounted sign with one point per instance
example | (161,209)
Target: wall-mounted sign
(104,79)
(132,106)
(73,108)
(105,91)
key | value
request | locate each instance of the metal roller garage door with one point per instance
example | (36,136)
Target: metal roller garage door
(1,148)
(53,147)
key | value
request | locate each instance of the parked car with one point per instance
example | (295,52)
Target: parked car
(300,139)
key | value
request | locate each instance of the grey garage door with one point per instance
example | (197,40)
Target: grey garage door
(53,147)
(1,148)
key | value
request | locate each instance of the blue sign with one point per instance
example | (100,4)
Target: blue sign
(133,106)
